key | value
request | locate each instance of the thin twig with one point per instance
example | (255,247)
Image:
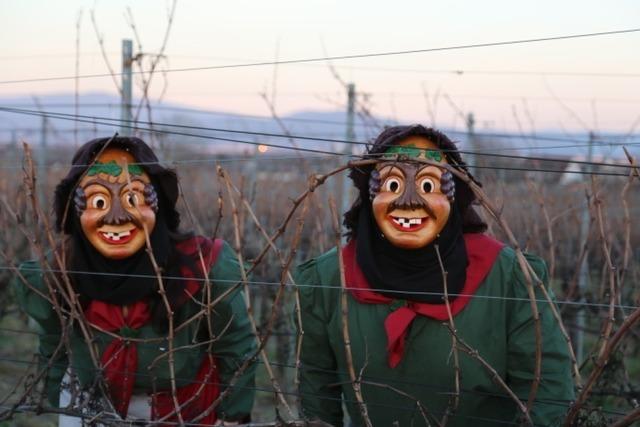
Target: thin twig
(607,327)
(600,363)
(495,377)
(345,321)
(628,419)
(77,73)
(549,227)
(100,38)
(261,341)
(454,400)
(423,410)
(167,305)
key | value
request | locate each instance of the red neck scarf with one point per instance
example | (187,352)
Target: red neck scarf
(120,358)
(482,252)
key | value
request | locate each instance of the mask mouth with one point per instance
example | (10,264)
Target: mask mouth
(118,237)
(408,223)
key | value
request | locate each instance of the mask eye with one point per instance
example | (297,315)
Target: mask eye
(132,200)
(427,185)
(393,185)
(99,202)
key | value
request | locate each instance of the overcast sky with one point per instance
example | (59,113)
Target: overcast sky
(38,40)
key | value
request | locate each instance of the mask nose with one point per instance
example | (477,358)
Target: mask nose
(411,200)
(407,201)
(117,215)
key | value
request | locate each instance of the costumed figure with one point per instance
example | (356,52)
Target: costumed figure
(122,252)
(407,216)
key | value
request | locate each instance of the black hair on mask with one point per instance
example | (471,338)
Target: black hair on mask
(394,135)
(165,181)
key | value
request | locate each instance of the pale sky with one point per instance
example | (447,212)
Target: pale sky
(38,40)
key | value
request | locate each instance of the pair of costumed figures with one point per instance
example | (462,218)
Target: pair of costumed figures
(410,222)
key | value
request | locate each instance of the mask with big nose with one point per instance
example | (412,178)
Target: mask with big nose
(411,201)
(117,204)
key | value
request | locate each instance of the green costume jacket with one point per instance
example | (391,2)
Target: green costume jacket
(495,320)
(235,340)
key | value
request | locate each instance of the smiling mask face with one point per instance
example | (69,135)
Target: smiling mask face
(116,202)
(410,207)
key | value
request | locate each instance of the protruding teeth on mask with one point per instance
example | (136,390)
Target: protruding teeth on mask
(116,236)
(407,222)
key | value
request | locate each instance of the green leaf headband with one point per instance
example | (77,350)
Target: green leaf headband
(113,169)
(413,151)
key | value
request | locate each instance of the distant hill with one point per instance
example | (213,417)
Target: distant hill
(101,111)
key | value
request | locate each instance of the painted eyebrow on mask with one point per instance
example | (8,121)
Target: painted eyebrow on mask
(133,180)
(110,186)
(429,171)
(93,182)
(389,168)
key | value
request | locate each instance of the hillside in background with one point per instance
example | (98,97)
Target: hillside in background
(100,114)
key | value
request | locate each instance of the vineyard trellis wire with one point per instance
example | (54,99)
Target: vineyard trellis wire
(243,220)
(342,57)
(240,202)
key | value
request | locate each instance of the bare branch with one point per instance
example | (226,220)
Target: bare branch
(345,321)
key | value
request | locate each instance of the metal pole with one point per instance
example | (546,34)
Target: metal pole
(125,106)
(15,149)
(14,146)
(351,110)
(583,277)
(42,161)
(350,136)
(470,159)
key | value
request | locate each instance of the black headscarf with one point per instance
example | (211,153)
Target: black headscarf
(164,180)
(134,278)
(118,281)
(394,135)
(414,274)
(399,273)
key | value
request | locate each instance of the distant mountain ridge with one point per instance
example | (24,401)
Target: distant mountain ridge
(101,113)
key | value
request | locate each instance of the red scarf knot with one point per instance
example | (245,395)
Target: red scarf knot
(120,357)
(482,252)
